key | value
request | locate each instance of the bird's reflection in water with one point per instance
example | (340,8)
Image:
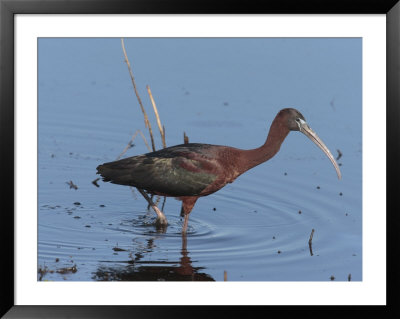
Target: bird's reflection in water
(161,270)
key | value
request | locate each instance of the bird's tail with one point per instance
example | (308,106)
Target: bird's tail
(112,174)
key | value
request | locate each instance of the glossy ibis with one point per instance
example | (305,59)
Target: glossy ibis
(189,171)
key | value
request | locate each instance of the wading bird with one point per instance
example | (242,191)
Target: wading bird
(190,171)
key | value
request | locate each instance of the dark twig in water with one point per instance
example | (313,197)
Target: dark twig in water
(225,275)
(72,185)
(339,154)
(349,277)
(95,182)
(146,119)
(310,241)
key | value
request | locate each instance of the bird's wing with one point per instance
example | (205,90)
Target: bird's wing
(178,174)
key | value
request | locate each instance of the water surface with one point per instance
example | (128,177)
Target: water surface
(218,91)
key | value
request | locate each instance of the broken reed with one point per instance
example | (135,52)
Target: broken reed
(185,138)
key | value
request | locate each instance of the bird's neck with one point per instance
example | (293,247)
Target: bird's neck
(276,136)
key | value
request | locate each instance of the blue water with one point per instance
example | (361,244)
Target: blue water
(218,91)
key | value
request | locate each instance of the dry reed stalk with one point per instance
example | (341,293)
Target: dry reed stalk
(146,119)
(160,127)
(145,141)
(161,219)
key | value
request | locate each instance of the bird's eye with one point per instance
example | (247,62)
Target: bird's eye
(298,120)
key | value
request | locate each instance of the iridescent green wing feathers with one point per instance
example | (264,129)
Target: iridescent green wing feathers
(174,171)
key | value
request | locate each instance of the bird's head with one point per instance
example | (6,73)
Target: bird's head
(295,121)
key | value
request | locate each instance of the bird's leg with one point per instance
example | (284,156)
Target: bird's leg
(187,206)
(185,224)
(161,219)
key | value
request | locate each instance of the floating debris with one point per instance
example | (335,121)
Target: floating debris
(339,154)
(67,270)
(118,249)
(95,182)
(72,185)
(43,271)
(77,203)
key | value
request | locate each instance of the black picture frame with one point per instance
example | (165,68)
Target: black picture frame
(8,10)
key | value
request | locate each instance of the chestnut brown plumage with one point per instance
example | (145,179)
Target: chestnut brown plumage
(189,171)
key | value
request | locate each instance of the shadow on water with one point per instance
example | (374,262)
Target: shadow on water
(145,270)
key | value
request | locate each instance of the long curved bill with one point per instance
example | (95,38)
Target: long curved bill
(307,131)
